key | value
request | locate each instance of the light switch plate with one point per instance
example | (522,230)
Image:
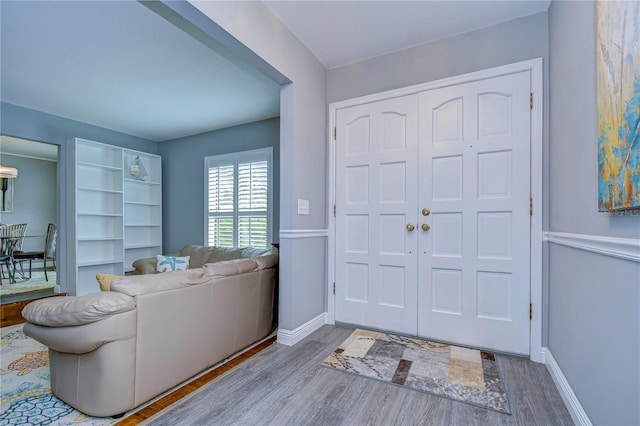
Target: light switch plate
(303,206)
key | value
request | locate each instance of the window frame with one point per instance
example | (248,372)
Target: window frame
(235,158)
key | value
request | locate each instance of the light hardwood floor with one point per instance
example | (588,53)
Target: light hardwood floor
(287,386)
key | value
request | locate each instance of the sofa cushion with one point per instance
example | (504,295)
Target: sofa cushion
(171,263)
(198,255)
(228,268)
(105,280)
(249,252)
(65,311)
(134,285)
(220,254)
(266,261)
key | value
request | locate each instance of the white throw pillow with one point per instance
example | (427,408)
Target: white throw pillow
(171,263)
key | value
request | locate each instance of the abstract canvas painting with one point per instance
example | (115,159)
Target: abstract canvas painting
(618,98)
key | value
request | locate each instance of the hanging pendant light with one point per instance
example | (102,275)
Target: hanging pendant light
(8,172)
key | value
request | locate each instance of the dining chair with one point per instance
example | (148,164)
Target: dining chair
(6,257)
(49,252)
(12,236)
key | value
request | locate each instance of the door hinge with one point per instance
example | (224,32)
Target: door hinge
(530,206)
(335,133)
(531,100)
(334,210)
(334,287)
(530,308)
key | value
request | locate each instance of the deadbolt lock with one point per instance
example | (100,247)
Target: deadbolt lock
(426,212)
(425,227)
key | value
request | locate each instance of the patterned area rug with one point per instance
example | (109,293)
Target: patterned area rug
(461,374)
(25,395)
(37,282)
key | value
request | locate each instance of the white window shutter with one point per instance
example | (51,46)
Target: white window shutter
(239,199)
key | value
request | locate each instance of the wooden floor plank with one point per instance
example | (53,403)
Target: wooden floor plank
(288,385)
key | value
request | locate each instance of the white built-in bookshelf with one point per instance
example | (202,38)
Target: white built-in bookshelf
(115,216)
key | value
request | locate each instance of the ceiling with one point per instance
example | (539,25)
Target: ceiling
(344,32)
(25,148)
(118,65)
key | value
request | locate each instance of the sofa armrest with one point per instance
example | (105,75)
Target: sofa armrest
(86,338)
(68,311)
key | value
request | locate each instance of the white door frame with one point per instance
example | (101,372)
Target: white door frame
(535,67)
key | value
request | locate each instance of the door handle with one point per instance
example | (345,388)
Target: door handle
(426,212)
(410,227)
(425,227)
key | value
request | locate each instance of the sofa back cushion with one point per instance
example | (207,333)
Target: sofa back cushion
(226,268)
(199,255)
(134,285)
(221,254)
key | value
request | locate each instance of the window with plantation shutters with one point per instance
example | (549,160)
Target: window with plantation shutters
(238,193)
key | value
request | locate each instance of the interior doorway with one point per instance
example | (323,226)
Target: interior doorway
(34,203)
(471,248)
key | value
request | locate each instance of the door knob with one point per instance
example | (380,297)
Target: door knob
(425,227)
(426,212)
(410,227)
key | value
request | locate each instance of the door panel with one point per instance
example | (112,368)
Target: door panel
(376,196)
(475,178)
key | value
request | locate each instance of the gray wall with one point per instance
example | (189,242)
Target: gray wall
(183,177)
(34,125)
(35,198)
(38,126)
(594,300)
(501,44)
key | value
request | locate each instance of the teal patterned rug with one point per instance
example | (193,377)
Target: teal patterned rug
(25,394)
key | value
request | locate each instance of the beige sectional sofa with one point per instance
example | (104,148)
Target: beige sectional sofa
(112,351)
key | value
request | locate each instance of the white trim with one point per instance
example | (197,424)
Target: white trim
(537,141)
(570,399)
(291,337)
(303,233)
(535,67)
(622,248)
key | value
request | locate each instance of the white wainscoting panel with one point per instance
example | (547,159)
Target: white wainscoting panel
(291,337)
(570,399)
(622,248)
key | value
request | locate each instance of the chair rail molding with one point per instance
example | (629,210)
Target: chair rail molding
(304,233)
(622,248)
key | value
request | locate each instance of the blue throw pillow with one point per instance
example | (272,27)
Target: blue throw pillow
(171,263)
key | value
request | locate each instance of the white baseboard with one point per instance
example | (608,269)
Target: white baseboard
(291,337)
(570,399)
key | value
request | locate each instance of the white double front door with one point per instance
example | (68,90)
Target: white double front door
(432,214)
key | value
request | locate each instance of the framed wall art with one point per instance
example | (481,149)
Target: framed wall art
(618,99)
